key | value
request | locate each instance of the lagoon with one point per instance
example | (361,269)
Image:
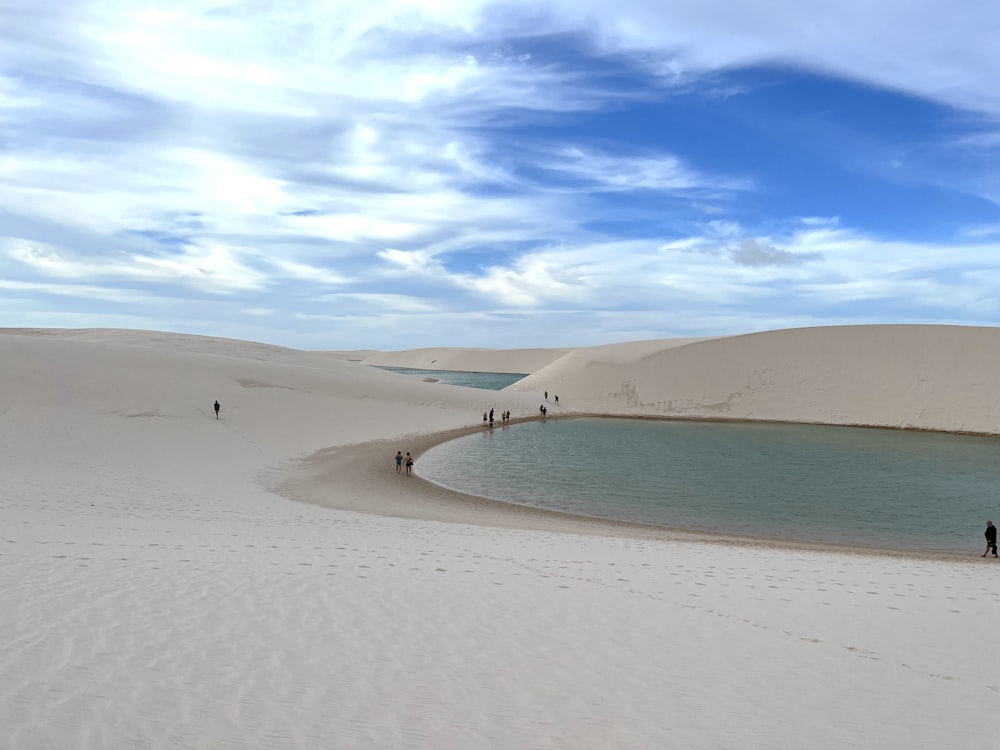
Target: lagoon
(490,381)
(888,489)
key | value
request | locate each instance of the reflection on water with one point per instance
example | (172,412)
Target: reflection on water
(841,485)
(490,381)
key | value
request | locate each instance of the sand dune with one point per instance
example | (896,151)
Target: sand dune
(922,377)
(159,587)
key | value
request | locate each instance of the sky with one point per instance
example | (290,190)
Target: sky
(403,173)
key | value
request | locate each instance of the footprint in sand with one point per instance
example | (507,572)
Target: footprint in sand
(862,652)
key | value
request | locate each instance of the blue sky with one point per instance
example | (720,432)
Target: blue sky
(341,175)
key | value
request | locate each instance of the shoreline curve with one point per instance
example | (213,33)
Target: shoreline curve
(362,475)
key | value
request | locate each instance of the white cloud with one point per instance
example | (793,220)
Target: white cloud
(820,221)
(215,268)
(628,173)
(981,230)
(894,44)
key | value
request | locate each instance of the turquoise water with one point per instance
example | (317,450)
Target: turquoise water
(490,381)
(840,485)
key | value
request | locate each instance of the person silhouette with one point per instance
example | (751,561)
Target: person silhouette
(217,407)
(991,538)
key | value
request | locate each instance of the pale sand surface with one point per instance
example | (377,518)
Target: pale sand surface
(156,592)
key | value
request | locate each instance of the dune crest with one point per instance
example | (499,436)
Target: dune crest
(906,376)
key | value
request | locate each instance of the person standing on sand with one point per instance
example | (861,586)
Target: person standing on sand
(399,462)
(409,463)
(217,407)
(991,538)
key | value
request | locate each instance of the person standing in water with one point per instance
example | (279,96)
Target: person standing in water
(409,463)
(991,538)
(217,407)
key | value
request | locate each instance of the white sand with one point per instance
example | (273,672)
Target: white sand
(157,592)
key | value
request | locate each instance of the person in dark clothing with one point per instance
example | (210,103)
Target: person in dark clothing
(217,407)
(409,464)
(991,538)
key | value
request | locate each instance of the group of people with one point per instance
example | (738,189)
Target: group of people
(404,462)
(488,417)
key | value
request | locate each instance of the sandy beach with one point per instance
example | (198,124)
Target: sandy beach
(266,579)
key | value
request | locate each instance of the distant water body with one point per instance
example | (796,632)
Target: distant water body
(490,381)
(888,489)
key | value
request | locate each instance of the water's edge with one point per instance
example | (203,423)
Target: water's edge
(841,516)
(365,481)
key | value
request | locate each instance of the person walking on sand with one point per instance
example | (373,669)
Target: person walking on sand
(409,464)
(217,407)
(991,538)
(399,462)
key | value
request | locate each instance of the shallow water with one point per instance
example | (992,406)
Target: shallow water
(839,485)
(490,381)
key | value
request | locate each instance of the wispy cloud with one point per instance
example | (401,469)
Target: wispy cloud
(593,170)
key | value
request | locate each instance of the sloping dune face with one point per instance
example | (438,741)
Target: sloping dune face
(905,376)
(143,398)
